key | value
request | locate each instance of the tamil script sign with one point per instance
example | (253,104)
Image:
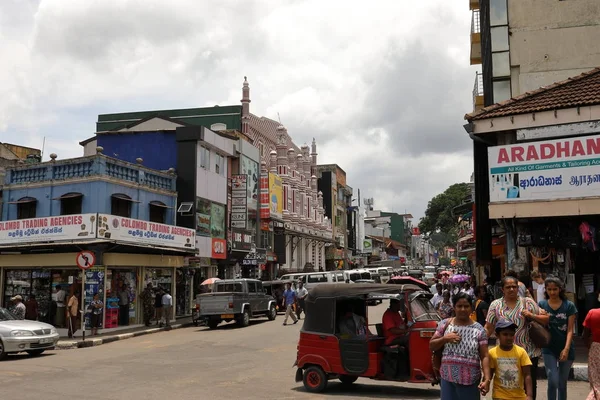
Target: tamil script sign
(144,232)
(554,169)
(48,229)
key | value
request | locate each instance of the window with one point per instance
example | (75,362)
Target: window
(501,64)
(204,157)
(261,148)
(251,287)
(228,287)
(26,208)
(499,38)
(266,237)
(317,278)
(340,276)
(158,211)
(71,203)
(501,90)
(219,164)
(498,12)
(120,205)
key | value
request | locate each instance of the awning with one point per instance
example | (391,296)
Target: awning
(68,196)
(23,201)
(159,204)
(124,197)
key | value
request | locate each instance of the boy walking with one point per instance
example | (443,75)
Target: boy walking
(510,366)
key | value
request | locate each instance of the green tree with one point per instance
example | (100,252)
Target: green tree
(439,222)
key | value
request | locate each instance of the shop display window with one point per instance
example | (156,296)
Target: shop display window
(116,281)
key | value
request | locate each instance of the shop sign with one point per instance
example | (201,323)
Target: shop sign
(545,170)
(144,232)
(250,170)
(265,209)
(203,211)
(416,231)
(278,228)
(254,258)
(368,246)
(241,241)
(266,225)
(219,249)
(48,229)
(239,201)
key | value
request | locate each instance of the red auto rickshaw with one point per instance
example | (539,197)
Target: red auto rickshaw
(325,354)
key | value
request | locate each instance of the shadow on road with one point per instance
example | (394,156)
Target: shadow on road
(232,325)
(381,391)
(23,356)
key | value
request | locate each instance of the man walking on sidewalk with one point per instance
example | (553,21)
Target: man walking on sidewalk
(167,305)
(301,294)
(289,299)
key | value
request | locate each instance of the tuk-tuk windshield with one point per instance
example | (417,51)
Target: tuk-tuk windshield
(422,310)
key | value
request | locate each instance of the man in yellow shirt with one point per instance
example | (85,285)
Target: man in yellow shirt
(510,366)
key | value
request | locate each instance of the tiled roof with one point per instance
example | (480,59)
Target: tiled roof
(578,91)
(264,129)
(389,242)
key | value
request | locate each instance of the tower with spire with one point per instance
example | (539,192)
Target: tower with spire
(245,107)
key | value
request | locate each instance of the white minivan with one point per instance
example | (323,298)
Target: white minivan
(311,279)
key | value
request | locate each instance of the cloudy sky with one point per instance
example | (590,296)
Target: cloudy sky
(382,85)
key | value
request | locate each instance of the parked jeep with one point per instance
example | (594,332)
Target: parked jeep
(236,299)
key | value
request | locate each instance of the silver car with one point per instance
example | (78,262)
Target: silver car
(23,335)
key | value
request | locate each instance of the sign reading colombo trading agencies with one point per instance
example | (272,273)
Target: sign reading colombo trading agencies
(552,169)
(134,230)
(48,229)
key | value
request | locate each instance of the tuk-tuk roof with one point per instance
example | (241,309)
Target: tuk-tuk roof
(334,290)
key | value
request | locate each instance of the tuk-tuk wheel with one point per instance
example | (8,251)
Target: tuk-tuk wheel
(348,379)
(315,380)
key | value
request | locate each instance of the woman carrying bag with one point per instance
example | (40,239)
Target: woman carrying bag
(464,353)
(520,311)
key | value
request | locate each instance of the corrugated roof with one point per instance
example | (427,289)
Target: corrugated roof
(578,91)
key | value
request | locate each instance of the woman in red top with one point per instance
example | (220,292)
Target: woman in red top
(591,336)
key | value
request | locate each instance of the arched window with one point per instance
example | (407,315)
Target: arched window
(120,205)
(70,203)
(158,212)
(26,207)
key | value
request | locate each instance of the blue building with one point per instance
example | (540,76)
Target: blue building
(89,225)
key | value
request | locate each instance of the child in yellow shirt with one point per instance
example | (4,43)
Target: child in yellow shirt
(510,366)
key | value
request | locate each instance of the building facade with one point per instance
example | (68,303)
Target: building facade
(543,176)
(123,213)
(523,45)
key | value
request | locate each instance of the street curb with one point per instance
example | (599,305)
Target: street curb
(579,372)
(72,344)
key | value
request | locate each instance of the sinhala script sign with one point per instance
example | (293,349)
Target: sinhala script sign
(554,169)
(48,229)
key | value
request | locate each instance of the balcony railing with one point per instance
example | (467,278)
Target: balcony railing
(89,167)
(475,22)
(478,91)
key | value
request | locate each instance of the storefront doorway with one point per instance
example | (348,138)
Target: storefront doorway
(121,294)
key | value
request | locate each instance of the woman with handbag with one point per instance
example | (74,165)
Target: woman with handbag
(560,353)
(523,312)
(462,344)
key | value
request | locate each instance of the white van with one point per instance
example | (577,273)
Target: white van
(311,279)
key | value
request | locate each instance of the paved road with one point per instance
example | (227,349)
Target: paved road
(191,363)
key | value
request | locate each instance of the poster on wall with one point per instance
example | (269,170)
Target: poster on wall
(250,168)
(219,249)
(217,221)
(94,283)
(276,195)
(48,229)
(203,210)
(137,231)
(545,170)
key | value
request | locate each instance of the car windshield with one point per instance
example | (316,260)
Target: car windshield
(5,315)
(422,310)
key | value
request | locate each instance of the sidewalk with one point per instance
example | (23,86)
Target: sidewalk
(78,342)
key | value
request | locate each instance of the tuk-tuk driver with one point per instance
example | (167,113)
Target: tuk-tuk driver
(394,327)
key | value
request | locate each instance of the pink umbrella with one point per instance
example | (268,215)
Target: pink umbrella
(209,281)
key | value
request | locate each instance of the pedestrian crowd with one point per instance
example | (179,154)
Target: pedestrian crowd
(527,327)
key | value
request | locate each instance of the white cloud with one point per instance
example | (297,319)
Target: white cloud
(381,85)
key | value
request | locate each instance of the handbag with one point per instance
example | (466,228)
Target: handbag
(539,335)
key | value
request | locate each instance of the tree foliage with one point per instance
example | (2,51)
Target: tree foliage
(439,222)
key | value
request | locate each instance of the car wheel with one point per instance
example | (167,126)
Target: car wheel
(3,354)
(348,379)
(244,319)
(35,353)
(314,379)
(272,313)
(212,324)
